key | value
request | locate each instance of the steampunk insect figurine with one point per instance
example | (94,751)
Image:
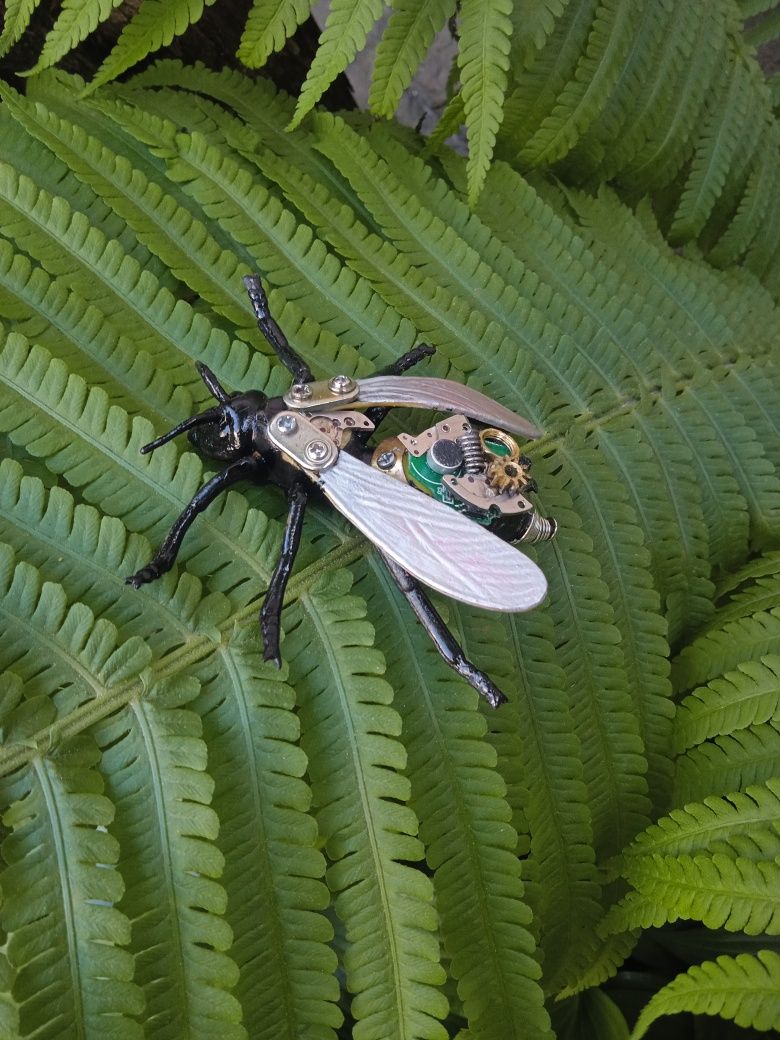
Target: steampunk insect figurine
(441,507)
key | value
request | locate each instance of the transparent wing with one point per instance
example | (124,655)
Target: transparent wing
(436,544)
(443,395)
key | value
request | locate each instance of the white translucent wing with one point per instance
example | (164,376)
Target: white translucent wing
(435,543)
(443,395)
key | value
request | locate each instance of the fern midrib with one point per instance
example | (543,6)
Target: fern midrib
(261,843)
(677,843)
(155,775)
(12,756)
(626,618)
(723,111)
(348,730)
(591,685)
(380,105)
(747,487)
(63,875)
(607,65)
(433,730)
(573,885)
(743,889)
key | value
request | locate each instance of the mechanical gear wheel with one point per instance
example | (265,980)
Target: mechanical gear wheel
(504,473)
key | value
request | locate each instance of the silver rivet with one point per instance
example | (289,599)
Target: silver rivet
(316,451)
(386,460)
(287,424)
(300,391)
(341,385)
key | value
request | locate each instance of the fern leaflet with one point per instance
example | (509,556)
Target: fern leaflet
(268,26)
(345,32)
(483,59)
(743,989)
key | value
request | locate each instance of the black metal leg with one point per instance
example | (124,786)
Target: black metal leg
(286,354)
(395,368)
(270,612)
(408,360)
(164,558)
(443,639)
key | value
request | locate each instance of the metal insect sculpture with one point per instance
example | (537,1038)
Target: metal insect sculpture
(441,507)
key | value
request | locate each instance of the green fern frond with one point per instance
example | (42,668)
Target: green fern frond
(534,92)
(44,309)
(728,113)
(722,649)
(483,59)
(458,794)
(740,579)
(155,760)
(67,937)
(744,823)
(614,25)
(16,18)
(74,23)
(93,556)
(355,760)
(272,855)
(740,895)
(409,33)
(155,24)
(743,989)
(345,32)
(725,764)
(269,25)
(532,24)
(449,123)
(745,697)
(541,734)
(79,659)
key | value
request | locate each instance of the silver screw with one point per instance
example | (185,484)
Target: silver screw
(287,424)
(316,451)
(300,391)
(386,460)
(341,385)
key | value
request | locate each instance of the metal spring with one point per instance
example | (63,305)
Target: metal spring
(540,529)
(473,455)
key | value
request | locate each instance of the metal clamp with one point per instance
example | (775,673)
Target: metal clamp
(302,443)
(324,393)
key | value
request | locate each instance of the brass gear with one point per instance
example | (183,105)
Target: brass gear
(504,473)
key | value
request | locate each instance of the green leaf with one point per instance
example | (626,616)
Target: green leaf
(392,963)
(74,23)
(483,59)
(68,939)
(16,18)
(409,33)
(269,25)
(346,29)
(743,989)
(741,698)
(155,24)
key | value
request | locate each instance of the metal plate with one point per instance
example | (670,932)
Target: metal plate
(443,395)
(435,543)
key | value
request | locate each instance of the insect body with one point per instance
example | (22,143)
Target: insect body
(442,507)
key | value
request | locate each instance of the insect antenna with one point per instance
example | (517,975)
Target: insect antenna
(212,383)
(187,424)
